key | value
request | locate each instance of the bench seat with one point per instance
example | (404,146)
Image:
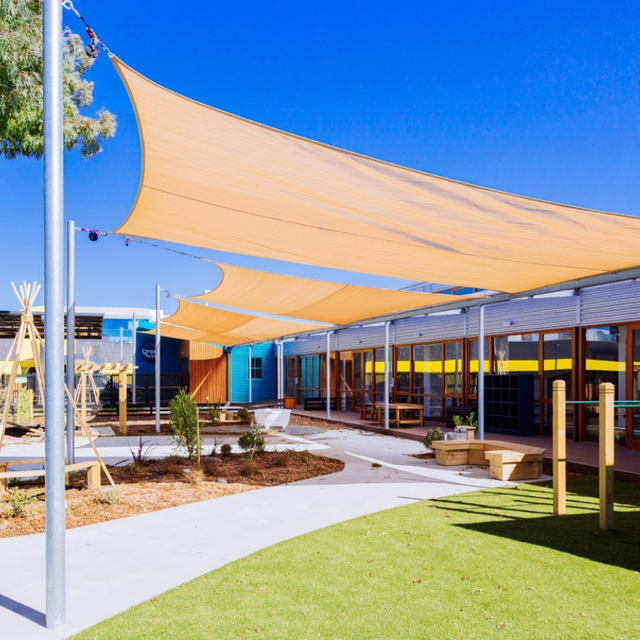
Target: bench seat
(507,460)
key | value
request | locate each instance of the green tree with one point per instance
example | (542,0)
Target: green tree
(21,101)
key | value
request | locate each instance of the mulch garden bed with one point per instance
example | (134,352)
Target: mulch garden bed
(152,485)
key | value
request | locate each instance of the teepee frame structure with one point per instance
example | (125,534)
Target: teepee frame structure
(27,295)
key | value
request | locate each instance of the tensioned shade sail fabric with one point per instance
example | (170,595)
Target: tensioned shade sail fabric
(228,328)
(214,180)
(308,299)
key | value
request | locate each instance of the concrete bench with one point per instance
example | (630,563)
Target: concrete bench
(507,460)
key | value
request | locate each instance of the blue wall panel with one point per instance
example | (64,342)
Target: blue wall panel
(169,354)
(261,389)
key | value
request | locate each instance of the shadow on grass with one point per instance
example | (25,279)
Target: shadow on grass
(525,515)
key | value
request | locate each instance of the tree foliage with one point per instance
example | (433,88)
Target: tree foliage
(21,95)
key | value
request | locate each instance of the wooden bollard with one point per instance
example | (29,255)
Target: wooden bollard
(607,397)
(559,449)
(122,402)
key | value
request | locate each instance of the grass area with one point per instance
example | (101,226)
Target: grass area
(486,564)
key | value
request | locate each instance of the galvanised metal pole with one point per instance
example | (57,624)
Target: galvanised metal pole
(71,338)
(386,374)
(481,374)
(250,376)
(157,358)
(328,365)
(54,309)
(278,366)
(134,343)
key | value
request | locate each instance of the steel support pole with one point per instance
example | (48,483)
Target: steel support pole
(386,375)
(250,376)
(158,372)
(134,344)
(278,371)
(481,374)
(328,365)
(282,369)
(71,338)
(54,310)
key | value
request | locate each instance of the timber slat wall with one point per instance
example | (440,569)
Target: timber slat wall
(206,359)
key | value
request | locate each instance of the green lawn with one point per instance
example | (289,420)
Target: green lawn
(486,564)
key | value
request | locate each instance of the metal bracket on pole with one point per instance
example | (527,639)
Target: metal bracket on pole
(54,309)
(481,374)
(71,337)
(157,368)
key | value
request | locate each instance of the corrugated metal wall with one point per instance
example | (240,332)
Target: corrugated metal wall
(599,305)
(261,389)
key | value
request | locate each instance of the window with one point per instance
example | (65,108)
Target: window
(256,368)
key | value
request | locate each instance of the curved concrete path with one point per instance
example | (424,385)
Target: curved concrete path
(114,565)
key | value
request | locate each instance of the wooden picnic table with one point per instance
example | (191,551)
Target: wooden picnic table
(398,409)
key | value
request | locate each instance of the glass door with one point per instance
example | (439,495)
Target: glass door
(633,415)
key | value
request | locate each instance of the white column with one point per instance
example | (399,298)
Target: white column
(134,344)
(386,374)
(481,374)
(328,365)
(158,372)
(250,377)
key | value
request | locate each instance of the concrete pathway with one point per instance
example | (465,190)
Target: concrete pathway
(114,565)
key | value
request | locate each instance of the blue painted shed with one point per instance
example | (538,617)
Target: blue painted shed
(263,383)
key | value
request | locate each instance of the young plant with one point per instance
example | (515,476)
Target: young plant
(142,455)
(252,442)
(433,434)
(214,411)
(225,450)
(244,415)
(184,424)
(465,421)
(19,500)
(214,449)
(110,495)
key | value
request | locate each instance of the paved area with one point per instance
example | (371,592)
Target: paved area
(114,565)
(627,461)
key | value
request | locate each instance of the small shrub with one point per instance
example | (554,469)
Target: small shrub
(244,415)
(216,446)
(250,470)
(252,442)
(110,495)
(306,457)
(225,450)
(184,423)
(19,500)
(465,421)
(214,411)
(281,459)
(142,455)
(196,476)
(212,468)
(433,434)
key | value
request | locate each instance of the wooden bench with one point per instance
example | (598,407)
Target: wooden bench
(92,467)
(507,461)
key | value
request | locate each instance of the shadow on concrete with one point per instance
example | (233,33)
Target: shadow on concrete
(23,610)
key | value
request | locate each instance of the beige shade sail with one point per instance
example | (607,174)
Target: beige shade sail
(308,299)
(199,323)
(214,180)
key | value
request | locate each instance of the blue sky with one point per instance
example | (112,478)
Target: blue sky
(536,98)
